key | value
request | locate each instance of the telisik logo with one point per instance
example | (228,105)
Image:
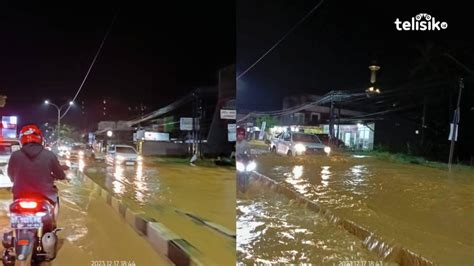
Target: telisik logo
(422,22)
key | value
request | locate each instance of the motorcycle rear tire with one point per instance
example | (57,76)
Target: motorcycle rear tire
(26,262)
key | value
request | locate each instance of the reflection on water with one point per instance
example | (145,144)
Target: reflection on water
(169,192)
(295,179)
(325,175)
(91,229)
(82,164)
(271,229)
(427,210)
(297,171)
(130,180)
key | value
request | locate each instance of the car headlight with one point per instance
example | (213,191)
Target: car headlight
(251,166)
(300,148)
(327,149)
(139,158)
(119,158)
(240,167)
(81,153)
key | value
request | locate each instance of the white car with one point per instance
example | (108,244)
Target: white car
(298,143)
(122,154)
(7,147)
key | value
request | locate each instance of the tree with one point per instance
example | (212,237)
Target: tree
(271,121)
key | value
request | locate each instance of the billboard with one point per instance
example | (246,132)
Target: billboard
(9,126)
(231,132)
(157,136)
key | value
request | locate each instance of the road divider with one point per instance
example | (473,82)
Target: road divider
(164,241)
(390,252)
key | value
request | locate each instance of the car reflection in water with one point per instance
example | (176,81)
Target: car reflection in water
(128,181)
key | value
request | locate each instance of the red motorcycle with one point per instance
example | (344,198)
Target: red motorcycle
(33,238)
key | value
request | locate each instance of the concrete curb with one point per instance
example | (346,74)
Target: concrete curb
(163,240)
(389,252)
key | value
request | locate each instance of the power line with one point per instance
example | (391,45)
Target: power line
(93,61)
(282,38)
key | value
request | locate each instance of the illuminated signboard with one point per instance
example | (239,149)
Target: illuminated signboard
(9,126)
(157,136)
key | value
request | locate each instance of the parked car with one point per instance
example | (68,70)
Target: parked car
(7,147)
(122,154)
(297,143)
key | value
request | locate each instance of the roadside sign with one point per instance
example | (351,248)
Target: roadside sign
(231,127)
(228,114)
(231,132)
(453,132)
(186,123)
(157,136)
(140,135)
(9,126)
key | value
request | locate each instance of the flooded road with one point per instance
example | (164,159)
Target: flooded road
(273,229)
(197,203)
(427,210)
(92,230)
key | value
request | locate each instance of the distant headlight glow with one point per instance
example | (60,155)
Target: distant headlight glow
(240,167)
(327,149)
(300,148)
(251,166)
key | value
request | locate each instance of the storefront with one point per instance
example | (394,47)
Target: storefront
(354,136)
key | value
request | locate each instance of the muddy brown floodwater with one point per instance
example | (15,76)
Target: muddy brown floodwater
(273,229)
(427,210)
(92,230)
(181,197)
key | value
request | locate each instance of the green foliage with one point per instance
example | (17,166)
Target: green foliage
(70,132)
(169,125)
(270,121)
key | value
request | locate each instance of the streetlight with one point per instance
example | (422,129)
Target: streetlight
(373,78)
(59,108)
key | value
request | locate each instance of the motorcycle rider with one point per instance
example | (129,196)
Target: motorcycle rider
(242,146)
(242,150)
(33,169)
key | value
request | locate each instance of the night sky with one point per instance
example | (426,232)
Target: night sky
(154,54)
(333,48)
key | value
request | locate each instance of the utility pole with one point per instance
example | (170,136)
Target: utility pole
(423,121)
(195,148)
(200,118)
(331,120)
(454,126)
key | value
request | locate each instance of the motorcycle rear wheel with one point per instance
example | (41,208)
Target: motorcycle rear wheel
(26,262)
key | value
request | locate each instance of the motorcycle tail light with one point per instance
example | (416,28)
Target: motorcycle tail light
(28,204)
(23,242)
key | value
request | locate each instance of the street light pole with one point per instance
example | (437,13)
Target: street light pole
(59,115)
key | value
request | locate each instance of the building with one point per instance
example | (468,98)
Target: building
(312,114)
(111,132)
(192,124)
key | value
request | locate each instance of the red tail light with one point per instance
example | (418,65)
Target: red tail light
(23,242)
(28,204)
